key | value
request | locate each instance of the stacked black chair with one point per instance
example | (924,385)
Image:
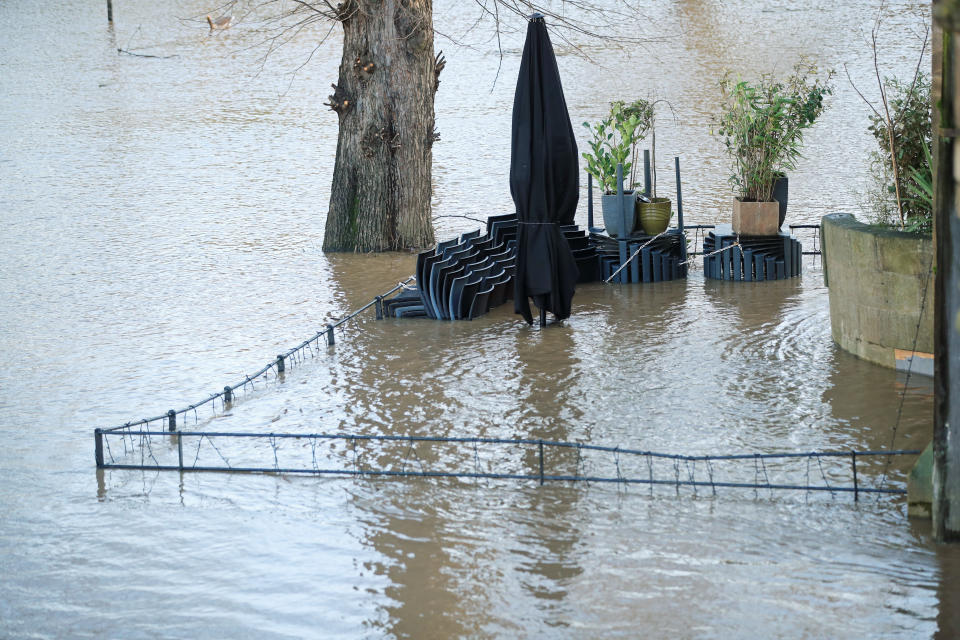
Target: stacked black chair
(657,261)
(463,278)
(775,257)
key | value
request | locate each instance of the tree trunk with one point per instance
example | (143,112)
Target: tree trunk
(380,198)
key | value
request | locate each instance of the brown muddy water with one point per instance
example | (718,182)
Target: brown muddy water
(161,223)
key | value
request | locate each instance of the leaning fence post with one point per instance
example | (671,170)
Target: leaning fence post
(227,395)
(330,339)
(379,307)
(98,447)
(856,488)
(280,366)
(180,450)
(541,463)
(171,420)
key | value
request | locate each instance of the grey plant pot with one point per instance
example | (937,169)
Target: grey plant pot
(613,217)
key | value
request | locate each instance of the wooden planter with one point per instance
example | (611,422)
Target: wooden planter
(756,218)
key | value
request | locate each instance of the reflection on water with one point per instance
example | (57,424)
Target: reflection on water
(162,220)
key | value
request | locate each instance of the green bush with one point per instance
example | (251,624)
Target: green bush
(910,114)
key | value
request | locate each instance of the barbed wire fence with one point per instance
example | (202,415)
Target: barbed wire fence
(480,458)
(806,232)
(289,358)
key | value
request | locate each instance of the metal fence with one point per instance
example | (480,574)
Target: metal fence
(288,358)
(479,458)
(808,234)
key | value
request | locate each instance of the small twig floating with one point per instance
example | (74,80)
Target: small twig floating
(145,55)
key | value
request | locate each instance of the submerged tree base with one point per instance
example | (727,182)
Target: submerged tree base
(380,198)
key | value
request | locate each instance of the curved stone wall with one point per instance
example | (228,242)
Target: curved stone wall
(877,277)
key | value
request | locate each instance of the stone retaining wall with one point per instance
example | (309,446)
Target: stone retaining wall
(876,278)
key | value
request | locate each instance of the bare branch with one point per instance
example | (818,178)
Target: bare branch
(859,93)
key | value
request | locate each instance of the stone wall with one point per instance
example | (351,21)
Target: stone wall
(876,278)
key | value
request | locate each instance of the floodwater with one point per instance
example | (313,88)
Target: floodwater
(162,221)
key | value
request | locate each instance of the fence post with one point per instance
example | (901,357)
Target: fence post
(227,395)
(856,488)
(589,203)
(330,339)
(379,307)
(109,11)
(541,463)
(676,163)
(280,365)
(98,447)
(171,420)
(180,450)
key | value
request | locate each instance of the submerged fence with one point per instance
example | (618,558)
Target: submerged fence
(478,458)
(809,232)
(289,357)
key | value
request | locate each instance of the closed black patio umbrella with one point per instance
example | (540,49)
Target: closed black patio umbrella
(544,181)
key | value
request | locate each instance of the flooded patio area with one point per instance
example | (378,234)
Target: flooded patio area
(162,223)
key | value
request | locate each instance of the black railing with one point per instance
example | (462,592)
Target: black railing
(277,366)
(624,465)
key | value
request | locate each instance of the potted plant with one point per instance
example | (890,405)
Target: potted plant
(654,213)
(761,126)
(613,141)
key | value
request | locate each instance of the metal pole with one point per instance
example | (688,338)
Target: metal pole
(624,232)
(589,202)
(109,11)
(541,463)
(98,447)
(646,172)
(330,339)
(227,395)
(280,365)
(856,488)
(180,450)
(676,163)
(379,307)
(171,420)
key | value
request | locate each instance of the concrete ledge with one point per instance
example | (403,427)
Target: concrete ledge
(877,279)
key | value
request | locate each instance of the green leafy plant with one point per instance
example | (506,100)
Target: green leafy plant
(905,193)
(761,126)
(614,141)
(902,189)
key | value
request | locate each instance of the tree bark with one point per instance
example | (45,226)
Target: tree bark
(380,197)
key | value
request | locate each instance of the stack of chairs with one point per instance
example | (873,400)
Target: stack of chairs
(463,278)
(661,260)
(757,258)
(584,251)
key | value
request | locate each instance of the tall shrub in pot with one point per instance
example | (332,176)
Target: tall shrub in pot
(761,126)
